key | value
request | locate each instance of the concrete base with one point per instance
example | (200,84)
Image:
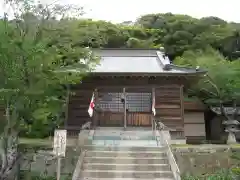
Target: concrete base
(167,135)
(136,134)
(178,141)
(124,129)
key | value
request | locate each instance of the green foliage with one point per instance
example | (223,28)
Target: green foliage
(183,32)
(34,176)
(222,175)
(36,50)
(223,73)
(177,33)
(236,171)
(26,175)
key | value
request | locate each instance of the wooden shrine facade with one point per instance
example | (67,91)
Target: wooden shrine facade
(140,84)
(109,109)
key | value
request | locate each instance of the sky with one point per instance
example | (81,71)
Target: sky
(129,10)
(124,10)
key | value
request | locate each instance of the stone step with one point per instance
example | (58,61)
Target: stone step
(91,178)
(124,167)
(125,137)
(121,132)
(125,174)
(126,134)
(135,154)
(127,143)
(122,148)
(126,160)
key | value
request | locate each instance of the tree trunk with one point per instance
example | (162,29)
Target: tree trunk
(4,144)
(9,148)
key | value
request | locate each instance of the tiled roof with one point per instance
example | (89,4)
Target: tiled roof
(137,61)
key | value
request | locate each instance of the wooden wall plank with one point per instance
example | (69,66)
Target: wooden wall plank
(169,106)
(110,119)
(167,98)
(194,106)
(139,119)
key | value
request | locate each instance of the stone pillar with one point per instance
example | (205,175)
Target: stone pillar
(231,126)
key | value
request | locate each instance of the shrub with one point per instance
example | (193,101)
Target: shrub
(221,175)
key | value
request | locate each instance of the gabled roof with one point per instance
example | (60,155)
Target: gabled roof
(138,61)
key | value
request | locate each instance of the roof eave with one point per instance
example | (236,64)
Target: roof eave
(148,74)
(125,48)
(188,68)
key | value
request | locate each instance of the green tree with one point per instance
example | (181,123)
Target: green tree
(34,57)
(182,32)
(225,74)
(221,86)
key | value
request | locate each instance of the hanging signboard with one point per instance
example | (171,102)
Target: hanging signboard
(60,141)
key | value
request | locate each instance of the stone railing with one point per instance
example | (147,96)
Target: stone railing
(82,140)
(163,140)
(78,167)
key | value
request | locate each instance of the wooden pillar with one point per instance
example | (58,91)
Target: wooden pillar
(182,134)
(96,111)
(152,117)
(182,103)
(125,108)
(67,106)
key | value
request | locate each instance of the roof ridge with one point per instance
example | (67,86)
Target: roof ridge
(164,60)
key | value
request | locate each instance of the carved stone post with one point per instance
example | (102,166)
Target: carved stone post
(231,126)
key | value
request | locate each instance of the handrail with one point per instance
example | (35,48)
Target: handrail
(171,159)
(86,125)
(80,143)
(78,167)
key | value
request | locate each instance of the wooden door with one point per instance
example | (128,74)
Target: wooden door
(110,108)
(138,104)
(139,119)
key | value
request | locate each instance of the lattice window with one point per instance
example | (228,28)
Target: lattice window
(110,102)
(138,102)
(135,102)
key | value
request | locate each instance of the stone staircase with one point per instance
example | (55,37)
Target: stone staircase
(125,164)
(125,160)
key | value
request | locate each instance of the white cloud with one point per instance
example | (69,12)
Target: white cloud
(118,11)
(123,10)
